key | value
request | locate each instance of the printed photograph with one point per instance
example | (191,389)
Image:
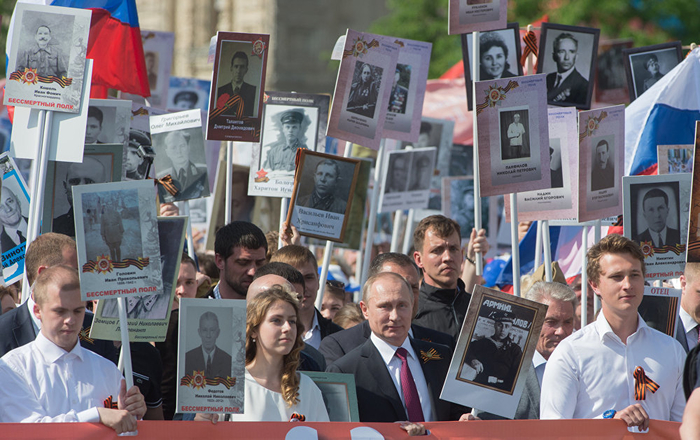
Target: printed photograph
(364,91)
(645,66)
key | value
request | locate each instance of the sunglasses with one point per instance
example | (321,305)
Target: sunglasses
(335,284)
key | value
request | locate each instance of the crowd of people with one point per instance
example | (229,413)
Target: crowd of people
(615,367)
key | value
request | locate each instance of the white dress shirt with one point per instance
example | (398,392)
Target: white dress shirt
(691,329)
(539,363)
(12,232)
(312,336)
(592,370)
(393,364)
(41,382)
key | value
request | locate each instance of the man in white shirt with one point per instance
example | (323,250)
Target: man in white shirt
(53,379)
(617,367)
(687,331)
(516,130)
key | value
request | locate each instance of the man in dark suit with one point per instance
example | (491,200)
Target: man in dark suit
(20,326)
(209,358)
(397,378)
(189,178)
(239,67)
(655,211)
(603,169)
(14,224)
(338,344)
(558,324)
(566,85)
(688,322)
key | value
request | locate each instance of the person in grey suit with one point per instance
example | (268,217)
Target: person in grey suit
(688,322)
(558,324)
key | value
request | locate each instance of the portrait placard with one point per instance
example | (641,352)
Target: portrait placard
(108,122)
(407,90)
(14,217)
(458,204)
(188,94)
(158,51)
(324,186)
(361,96)
(291,121)
(117,239)
(101,163)
(655,213)
(148,315)
(571,67)
(660,307)
(235,100)
(339,395)
(406,178)
(513,135)
(476,15)
(46,66)
(137,162)
(601,162)
(645,66)
(180,162)
(610,84)
(674,159)
(499,53)
(561,200)
(215,327)
(494,352)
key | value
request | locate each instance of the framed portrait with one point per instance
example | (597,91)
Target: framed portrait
(101,163)
(407,179)
(610,84)
(158,53)
(476,15)
(291,121)
(235,100)
(188,94)
(339,395)
(499,53)
(513,132)
(674,159)
(14,218)
(361,97)
(656,217)
(660,307)
(180,161)
(57,83)
(560,201)
(116,233)
(108,122)
(645,66)
(148,316)
(494,352)
(601,162)
(219,385)
(323,191)
(571,66)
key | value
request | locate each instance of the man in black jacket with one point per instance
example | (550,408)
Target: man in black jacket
(444,297)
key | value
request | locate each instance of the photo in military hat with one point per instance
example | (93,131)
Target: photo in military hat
(188,93)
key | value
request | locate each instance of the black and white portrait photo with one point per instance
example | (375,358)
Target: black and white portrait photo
(209,357)
(515,137)
(14,214)
(152,68)
(188,93)
(397,174)
(48,49)
(568,57)
(556,169)
(111,224)
(364,91)
(647,65)
(239,75)
(603,163)
(458,203)
(287,129)
(611,80)
(656,214)
(428,136)
(422,168)
(499,56)
(399,89)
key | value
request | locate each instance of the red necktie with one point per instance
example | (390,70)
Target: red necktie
(410,393)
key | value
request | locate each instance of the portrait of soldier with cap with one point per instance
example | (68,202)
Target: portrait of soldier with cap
(189,177)
(281,153)
(496,358)
(135,163)
(185,100)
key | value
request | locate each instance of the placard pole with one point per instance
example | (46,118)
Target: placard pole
(475,153)
(395,234)
(547,244)
(408,236)
(284,206)
(190,238)
(597,233)
(538,245)
(515,243)
(584,277)
(372,219)
(125,358)
(228,218)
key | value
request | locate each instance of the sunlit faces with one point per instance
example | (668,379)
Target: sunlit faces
(389,309)
(440,259)
(238,269)
(186,281)
(330,306)
(690,299)
(411,275)
(61,316)
(278,331)
(558,324)
(310,274)
(620,285)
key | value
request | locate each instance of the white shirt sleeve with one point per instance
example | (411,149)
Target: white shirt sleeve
(560,386)
(678,405)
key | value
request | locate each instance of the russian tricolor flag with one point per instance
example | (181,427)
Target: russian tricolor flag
(114,45)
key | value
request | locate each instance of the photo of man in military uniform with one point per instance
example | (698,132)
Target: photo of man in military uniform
(281,153)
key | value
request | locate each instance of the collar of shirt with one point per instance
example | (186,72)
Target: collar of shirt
(660,235)
(52,352)
(387,351)
(687,320)
(314,328)
(206,355)
(603,327)
(539,363)
(35,320)
(217,294)
(565,75)
(46,49)
(12,232)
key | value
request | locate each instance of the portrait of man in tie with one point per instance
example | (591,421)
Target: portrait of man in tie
(238,87)
(180,154)
(14,223)
(657,217)
(208,357)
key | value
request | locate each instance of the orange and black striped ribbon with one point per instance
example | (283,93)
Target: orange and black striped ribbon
(139,263)
(530,41)
(84,335)
(642,383)
(62,81)
(487,101)
(167,182)
(296,417)
(110,403)
(228,382)
(348,52)
(235,100)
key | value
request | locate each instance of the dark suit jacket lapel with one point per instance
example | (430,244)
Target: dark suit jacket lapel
(435,372)
(384,383)
(23,327)
(532,391)
(680,334)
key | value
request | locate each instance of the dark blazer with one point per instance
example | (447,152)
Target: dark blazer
(311,360)
(680,334)
(529,405)
(247,93)
(573,90)
(338,344)
(194,360)
(5,240)
(327,326)
(673,236)
(17,329)
(377,398)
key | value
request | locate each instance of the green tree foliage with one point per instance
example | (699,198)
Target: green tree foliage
(645,21)
(6,8)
